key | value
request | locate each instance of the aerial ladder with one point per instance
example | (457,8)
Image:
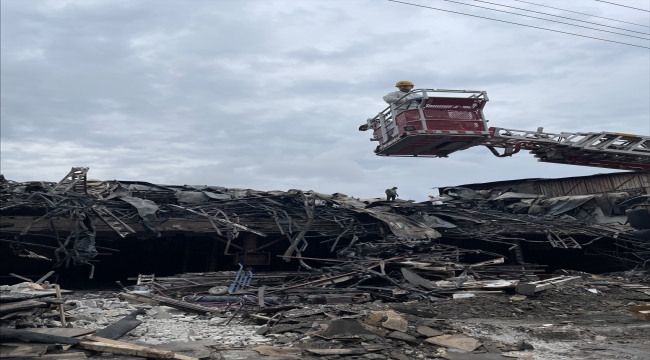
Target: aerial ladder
(445,121)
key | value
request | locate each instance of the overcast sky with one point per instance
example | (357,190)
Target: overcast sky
(268,94)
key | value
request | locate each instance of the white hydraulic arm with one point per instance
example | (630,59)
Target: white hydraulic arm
(603,149)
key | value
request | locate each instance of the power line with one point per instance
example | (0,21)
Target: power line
(563,17)
(514,23)
(607,2)
(575,12)
(539,18)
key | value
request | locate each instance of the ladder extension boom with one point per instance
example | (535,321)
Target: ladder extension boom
(602,149)
(439,122)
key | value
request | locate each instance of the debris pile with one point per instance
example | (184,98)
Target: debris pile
(403,315)
(75,221)
(300,274)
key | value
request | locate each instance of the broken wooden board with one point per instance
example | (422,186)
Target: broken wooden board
(640,312)
(22,351)
(50,347)
(25,313)
(470,356)
(456,341)
(65,356)
(337,351)
(66,332)
(21,306)
(490,284)
(268,350)
(536,286)
(518,356)
(395,322)
(121,327)
(176,304)
(489,262)
(29,294)
(124,348)
(140,299)
(24,335)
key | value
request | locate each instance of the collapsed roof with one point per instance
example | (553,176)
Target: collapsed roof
(63,221)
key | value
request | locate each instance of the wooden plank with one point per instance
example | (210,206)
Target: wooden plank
(21,306)
(65,356)
(183,357)
(67,332)
(176,304)
(531,288)
(456,341)
(24,335)
(121,327)
(141,299)
(50,347)
(22,351)
(57,288)
(337,351)
(30,294)
(133,346)
(125,349)
(18,314)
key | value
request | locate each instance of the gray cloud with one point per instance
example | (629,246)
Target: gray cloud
(268,94)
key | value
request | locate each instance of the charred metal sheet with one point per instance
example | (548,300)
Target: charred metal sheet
(564,204)
(402,226)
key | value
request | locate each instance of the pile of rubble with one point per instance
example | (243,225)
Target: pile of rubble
(402,315)
(325,276)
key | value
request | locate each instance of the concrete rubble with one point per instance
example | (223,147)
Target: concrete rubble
(565,322)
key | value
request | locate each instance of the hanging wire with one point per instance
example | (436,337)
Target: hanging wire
(539,18)
(563,17)
(514,23)
(575,12)
(607,2)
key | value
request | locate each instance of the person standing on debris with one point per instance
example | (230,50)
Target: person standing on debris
(391,194)
(435,200)
(409,101)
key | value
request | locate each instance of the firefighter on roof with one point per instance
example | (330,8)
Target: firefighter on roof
(391,194)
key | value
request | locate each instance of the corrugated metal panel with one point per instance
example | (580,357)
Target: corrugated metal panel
(594,184)
(584,185)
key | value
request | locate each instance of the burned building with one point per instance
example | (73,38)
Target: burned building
(109,230)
